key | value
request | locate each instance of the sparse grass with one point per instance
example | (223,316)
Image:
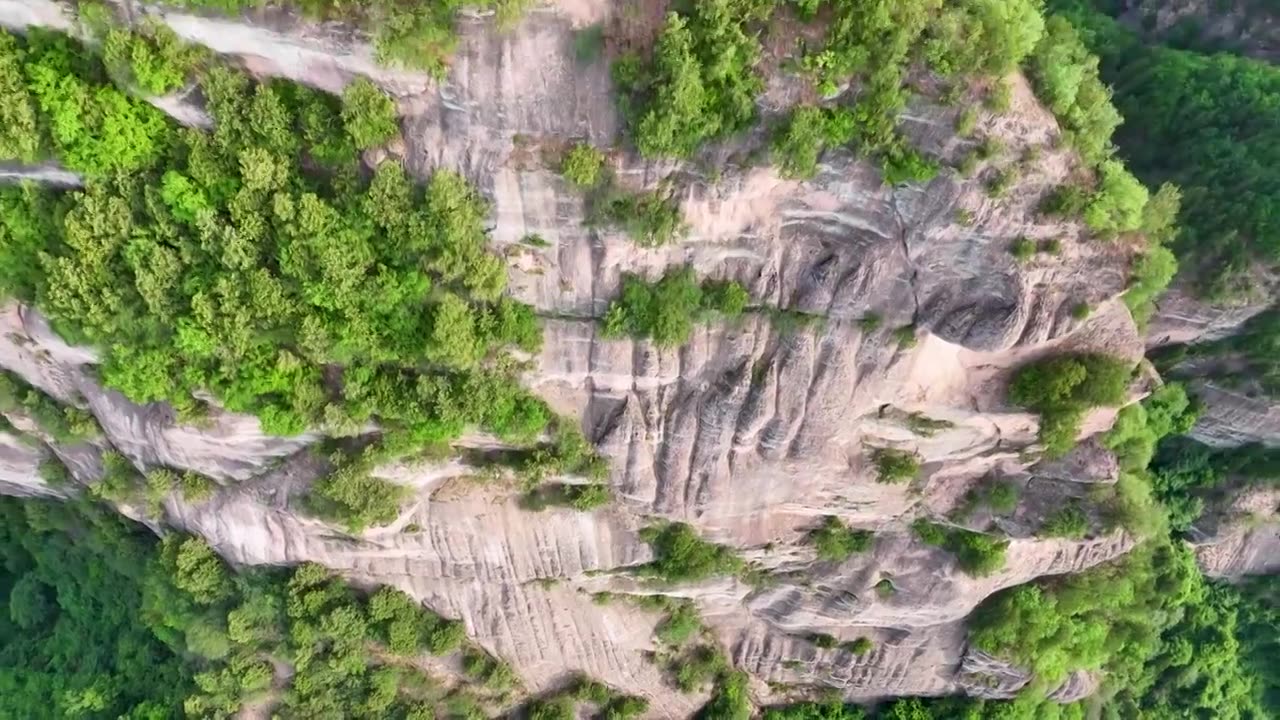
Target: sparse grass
(999,97)
(870,322)
(1051,246)
(1080,310)
(966,121)
(885,588)
(535,240)
(905,336)
(925,426)
(1001,182)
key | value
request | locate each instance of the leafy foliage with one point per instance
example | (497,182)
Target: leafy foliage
(74,638)
(700,83)
(64,424)
(977,554)
(255,263)
(667,310)
(1202,121)
(836,541)
(152,58)
(582,165)
(1062,388)
(680,555)
(368,114)
(895,466)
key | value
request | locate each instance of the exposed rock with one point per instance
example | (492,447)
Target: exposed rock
(750,432)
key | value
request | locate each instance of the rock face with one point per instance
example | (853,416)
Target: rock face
(751,432)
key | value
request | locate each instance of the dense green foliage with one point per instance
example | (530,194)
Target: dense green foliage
(1205,122)
(836,541)
(255,262)
(61,423)
(977,554)
(1062,388)
(680,555)
(101,620)
(699,83)
(1186,475)
(151,59)
(666,311)
(74,636)
(582,165)
(417,35)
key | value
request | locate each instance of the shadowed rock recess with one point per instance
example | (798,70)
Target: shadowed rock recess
(752,432)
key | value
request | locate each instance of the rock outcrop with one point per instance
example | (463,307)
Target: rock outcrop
(751,432)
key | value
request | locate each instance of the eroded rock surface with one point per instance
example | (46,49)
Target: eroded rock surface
(750,432)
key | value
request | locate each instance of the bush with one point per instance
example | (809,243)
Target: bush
(1023,249)
(62,424)
(582,165)
(861,646)
(799,142)
(667,310)
(651,219)
(153,59)
(836,541)
(1070,522)
(905,337)
(588,43)
(700,83)
(681,556)
(977,554)
(680,625)
(1065,76)
(351,495)
(895,466)
(368,114)
(1062,388)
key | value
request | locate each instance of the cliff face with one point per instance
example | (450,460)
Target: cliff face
(750,432)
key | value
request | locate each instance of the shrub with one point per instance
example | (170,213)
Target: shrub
(680,625)
(1062,388)
(966,121)
(977,554)
(1117,204)
(582,165)
(53,472)
(351,495)
(1080,310)
(799,141)
(823,640)
(895,466)
(1023,249)
(1069,522)
(1065,76)
(700,83)
(368,114)
(667,310)
(861,646)
(152,59)
(651,219)
(680,555)
(836,541)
